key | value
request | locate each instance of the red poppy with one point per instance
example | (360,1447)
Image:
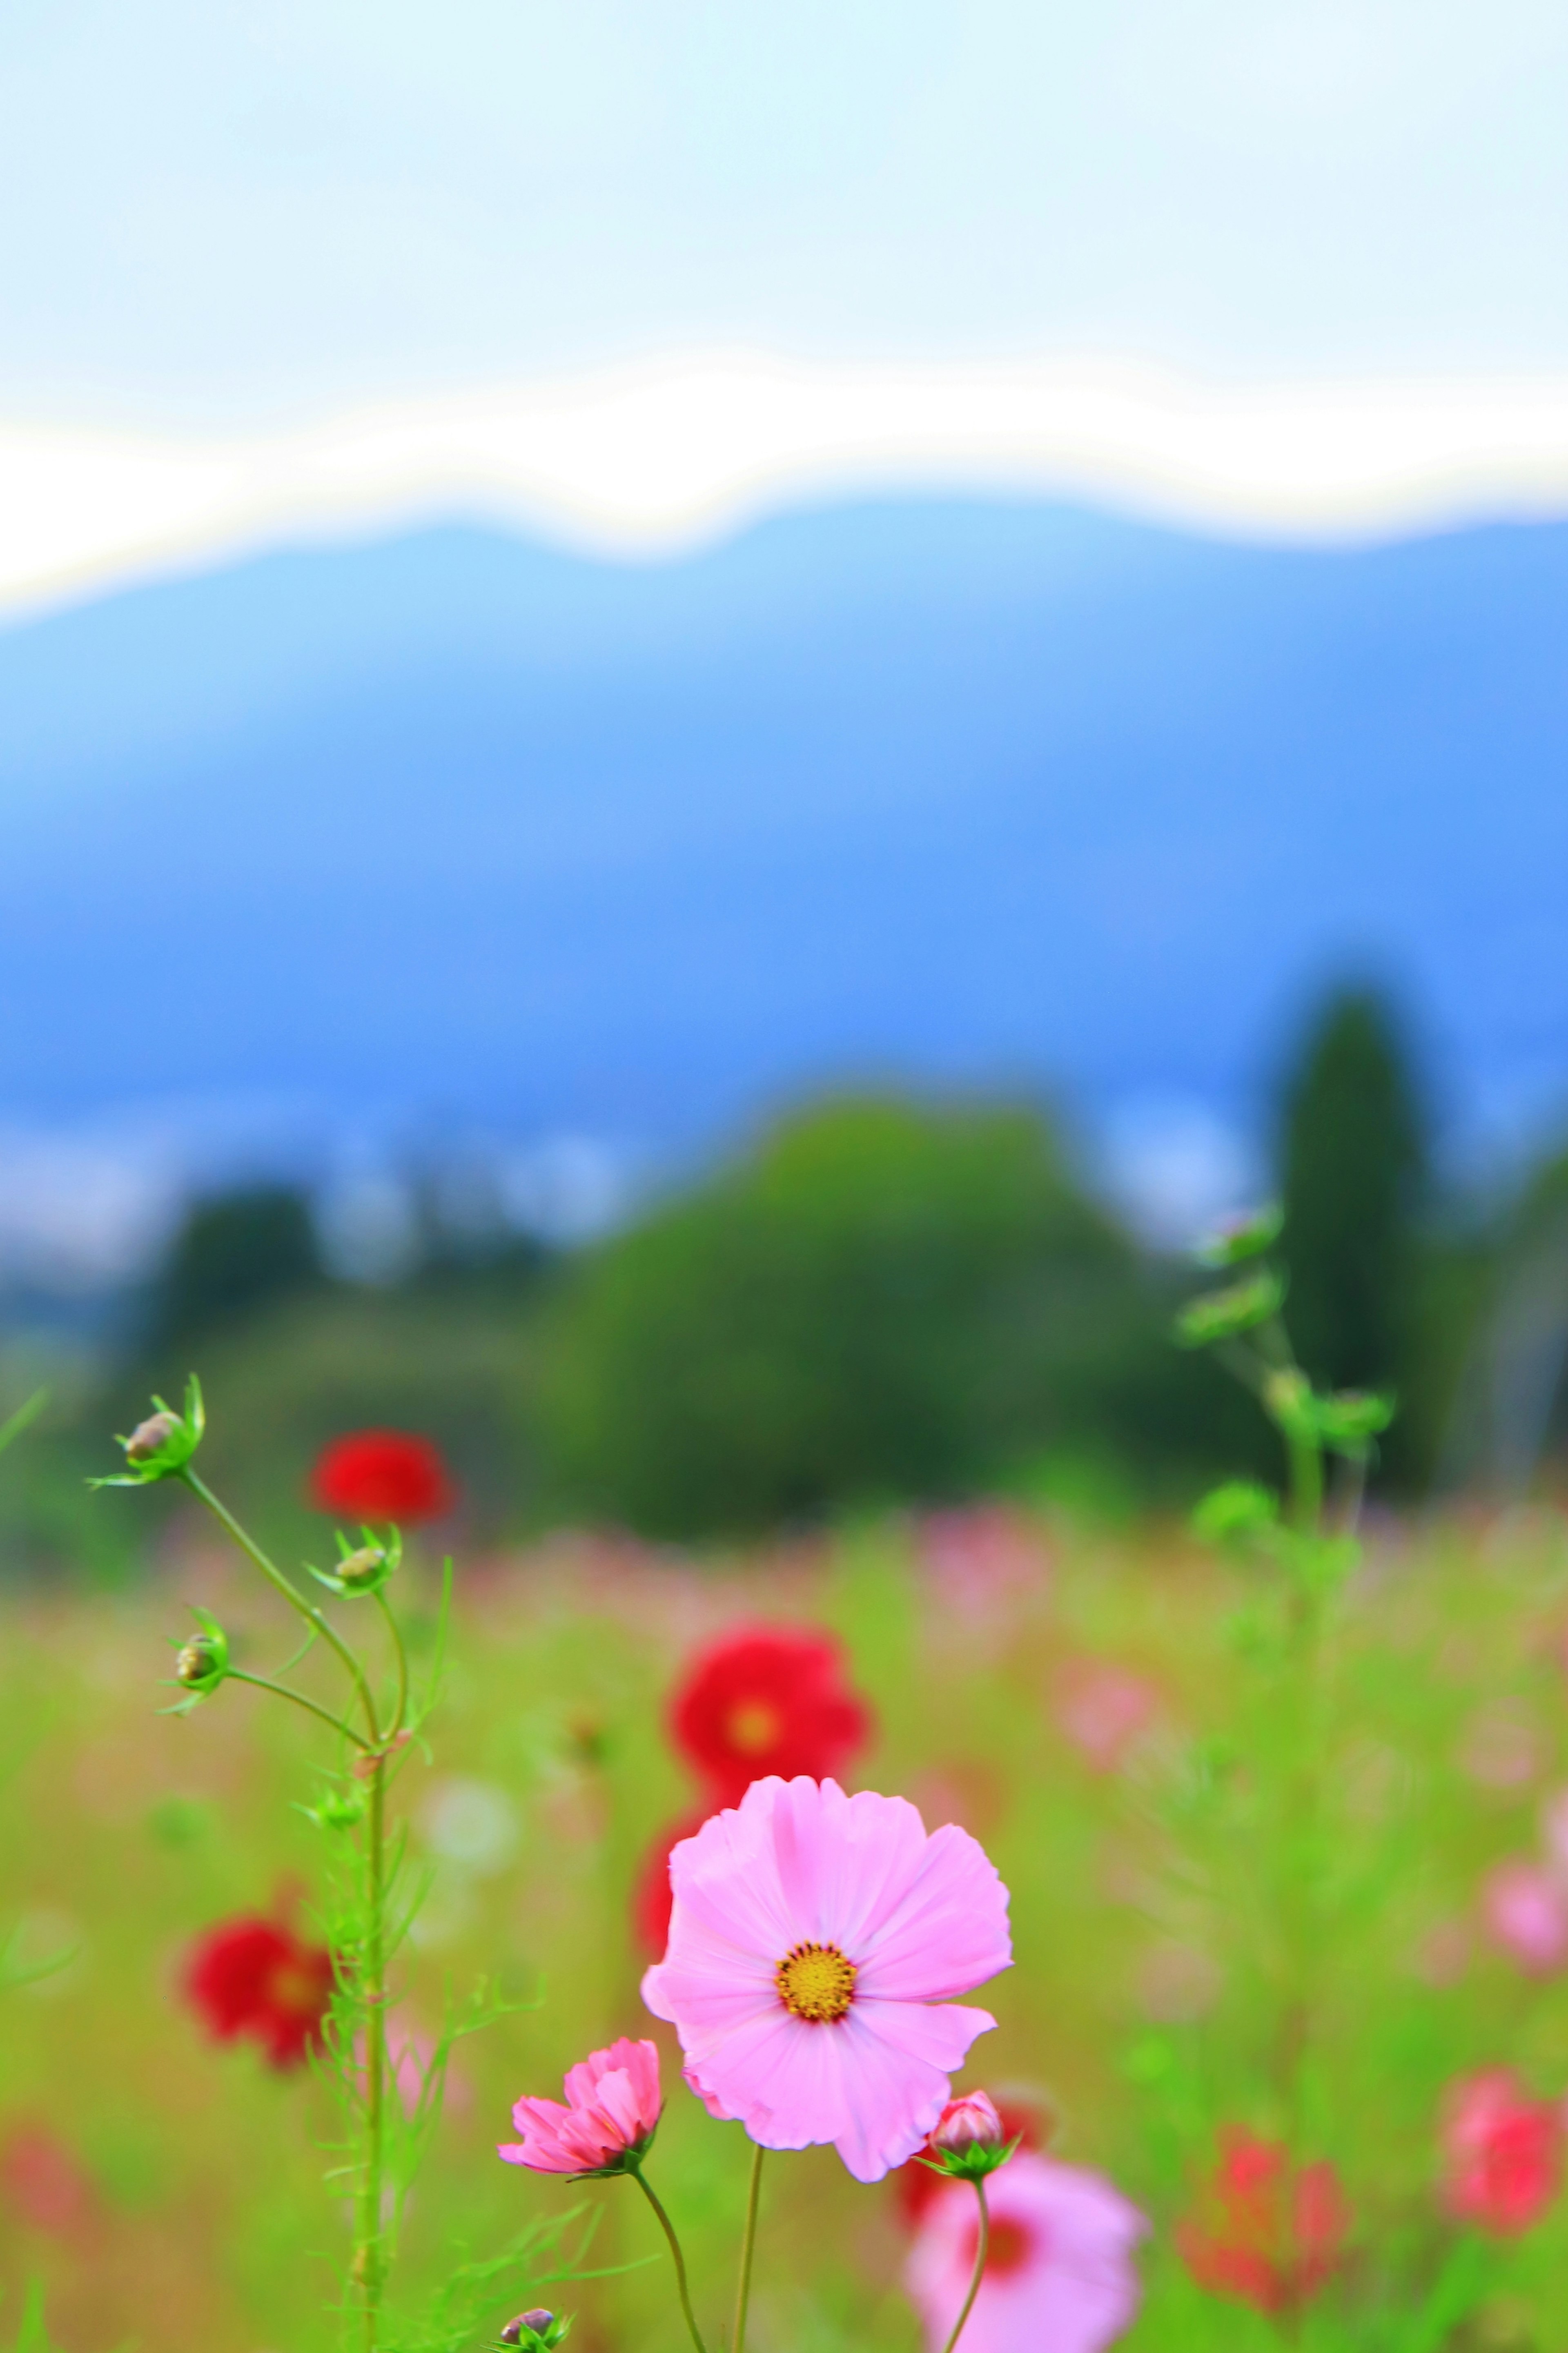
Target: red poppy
(253,1976)
(767,1699)
(381,1475)
(1504,2152)
(1264,2231)
(915,2184)
(653,1898)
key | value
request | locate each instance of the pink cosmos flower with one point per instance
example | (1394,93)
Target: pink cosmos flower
(1503,2152)
(1059,2275)
(814,1948)
(1526,1912)
(613,2105)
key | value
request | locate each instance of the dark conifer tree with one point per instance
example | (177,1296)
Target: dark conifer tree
(1353,1175)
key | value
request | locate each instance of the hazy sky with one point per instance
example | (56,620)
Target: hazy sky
(224,216)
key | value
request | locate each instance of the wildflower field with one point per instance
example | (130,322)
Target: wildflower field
(1289,1981)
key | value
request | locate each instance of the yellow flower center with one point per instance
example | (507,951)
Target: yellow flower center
(816,1983)
(753,1726)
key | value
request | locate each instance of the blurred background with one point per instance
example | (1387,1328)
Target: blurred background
(710,720)
(681,688)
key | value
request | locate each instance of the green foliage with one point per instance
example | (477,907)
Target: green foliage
(235,1254)
(882,1300)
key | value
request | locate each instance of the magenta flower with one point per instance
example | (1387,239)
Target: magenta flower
(814,1948)
(614,2105)
(1059,2275)
(1526,1912)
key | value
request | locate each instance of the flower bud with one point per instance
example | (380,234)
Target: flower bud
(197,1660)
(1350,1419)
(201,1663)
(968,2141)
(160,1446)
(363,1568)
(151,1437)
(534,2328)
(1222,1315)
(971,2122)
(1239,1239)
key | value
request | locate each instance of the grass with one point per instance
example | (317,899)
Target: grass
(1151,1904)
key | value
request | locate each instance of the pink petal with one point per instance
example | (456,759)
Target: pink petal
(944,1931)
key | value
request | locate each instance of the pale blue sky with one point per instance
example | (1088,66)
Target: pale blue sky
(219,214)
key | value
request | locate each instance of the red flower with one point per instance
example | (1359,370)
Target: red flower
(1503,2152)
(381,1475)
(255,1977)
(915,2184)
(1264,2233)
(767,1699)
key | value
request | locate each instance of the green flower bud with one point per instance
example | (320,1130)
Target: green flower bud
(201,1663)
(1239,1239)
(1351,1418)
(1236,1513)
(160,1446)
(1222,1315)
(363,1568)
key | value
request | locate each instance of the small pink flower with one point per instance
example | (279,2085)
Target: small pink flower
(1503,2152)
(614,2105)
(1526,1912)
(1104,1711)
(969,2122)
(1059,2275)
(815,1945)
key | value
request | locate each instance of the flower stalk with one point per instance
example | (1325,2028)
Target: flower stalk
(982,2253)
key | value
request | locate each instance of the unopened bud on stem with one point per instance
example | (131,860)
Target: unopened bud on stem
(968,2141)
(150,1437)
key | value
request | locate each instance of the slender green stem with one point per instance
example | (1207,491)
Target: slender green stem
(1306,1482)
(370,2260)
(290,1592)
(401,1654)
(667,2227)
(748,2248)
(262,1682)
(982,2249)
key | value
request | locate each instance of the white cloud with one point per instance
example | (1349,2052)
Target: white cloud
(644,459)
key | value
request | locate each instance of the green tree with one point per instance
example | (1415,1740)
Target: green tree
(236,1253)
(884,1300)
(1353,1180)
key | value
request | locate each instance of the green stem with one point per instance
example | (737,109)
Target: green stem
(748,2247)
(667,2227)
(261,1682)
(1306,1482)
(401,1655)
(982,2249)
(370,2263)
(290,1592)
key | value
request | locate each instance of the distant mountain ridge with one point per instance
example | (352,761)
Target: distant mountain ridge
(962,791)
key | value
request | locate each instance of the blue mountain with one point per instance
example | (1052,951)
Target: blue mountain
(954,790)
